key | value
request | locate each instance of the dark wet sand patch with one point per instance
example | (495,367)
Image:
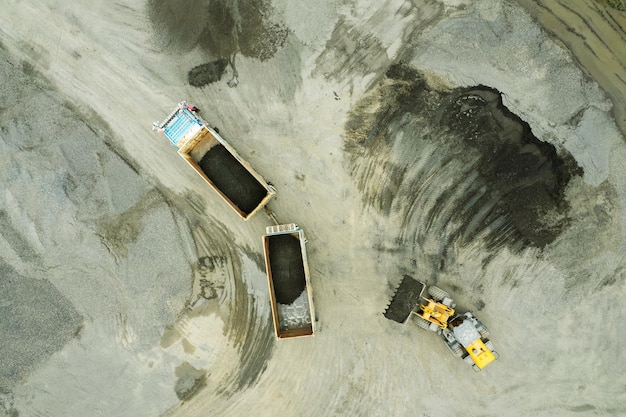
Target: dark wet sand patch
(208,73)
(222,28)
(490,178)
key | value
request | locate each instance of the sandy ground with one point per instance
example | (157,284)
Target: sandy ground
(129,288)
(594,34)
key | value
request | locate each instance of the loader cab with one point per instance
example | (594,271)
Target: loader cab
(455,321)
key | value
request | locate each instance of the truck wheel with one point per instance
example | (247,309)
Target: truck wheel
(437,293)
(422,322)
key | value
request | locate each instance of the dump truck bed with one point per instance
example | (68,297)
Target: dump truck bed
(289,282)
(216,161)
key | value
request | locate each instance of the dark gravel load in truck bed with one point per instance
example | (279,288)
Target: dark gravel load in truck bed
(287,268)
(232,179)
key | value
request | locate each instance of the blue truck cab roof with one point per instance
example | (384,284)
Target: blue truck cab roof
(178,123)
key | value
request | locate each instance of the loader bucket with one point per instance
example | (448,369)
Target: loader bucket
(405,299)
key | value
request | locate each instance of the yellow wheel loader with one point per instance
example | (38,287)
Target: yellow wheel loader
(464,334)
(433,313)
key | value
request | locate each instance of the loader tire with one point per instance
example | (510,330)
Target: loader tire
(437,293)
(484,331)
(422,322)
(457,350)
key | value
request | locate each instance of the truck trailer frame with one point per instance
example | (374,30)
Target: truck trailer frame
(216,161)
(291,295)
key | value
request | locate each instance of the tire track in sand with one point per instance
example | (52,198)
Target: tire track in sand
(219,288)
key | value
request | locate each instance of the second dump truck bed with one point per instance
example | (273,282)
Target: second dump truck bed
(289,283)
(216,161)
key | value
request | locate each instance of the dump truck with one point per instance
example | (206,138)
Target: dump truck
(464,334)
(216,161)
(291,296)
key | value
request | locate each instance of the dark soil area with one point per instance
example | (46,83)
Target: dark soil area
(223,169)
(245,26)
(260,36)
(404,300)
(223,28)
(528,175)
(502,184)
(287,267)
(208,73)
